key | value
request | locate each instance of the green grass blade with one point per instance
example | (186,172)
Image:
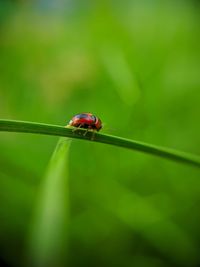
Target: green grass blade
(39,128)
(48,235)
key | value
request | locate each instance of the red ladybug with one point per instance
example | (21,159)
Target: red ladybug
(86,121)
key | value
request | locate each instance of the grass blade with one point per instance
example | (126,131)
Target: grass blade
(49,230)
(40,128)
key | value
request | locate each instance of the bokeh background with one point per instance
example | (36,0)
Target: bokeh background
(136,65)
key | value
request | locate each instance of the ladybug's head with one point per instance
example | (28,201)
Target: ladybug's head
(98,124)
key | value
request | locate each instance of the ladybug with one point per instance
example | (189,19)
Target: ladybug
(87,121)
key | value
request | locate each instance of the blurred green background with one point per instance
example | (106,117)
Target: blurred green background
(136,65)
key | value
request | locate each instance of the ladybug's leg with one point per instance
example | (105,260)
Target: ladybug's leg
(93,132)
(93,135)
(77,128)
(87,129)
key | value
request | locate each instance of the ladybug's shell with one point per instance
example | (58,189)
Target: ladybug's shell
(87,121)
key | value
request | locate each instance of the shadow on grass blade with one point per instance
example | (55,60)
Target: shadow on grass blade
(48,236)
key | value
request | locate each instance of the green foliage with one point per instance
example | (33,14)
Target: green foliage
(135,64)
(49,231)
